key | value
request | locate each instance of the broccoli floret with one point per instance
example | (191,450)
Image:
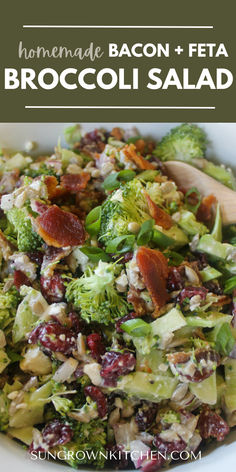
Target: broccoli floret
(41,170)
(126,205)
(170,416)
(91,439)
(27,238)
(8,303)
(182,143)
(4,407)
(62,405)
(95,295)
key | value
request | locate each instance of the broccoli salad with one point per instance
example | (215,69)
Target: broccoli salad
(117,302)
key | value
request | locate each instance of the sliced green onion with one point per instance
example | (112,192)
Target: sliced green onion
(174,258)
(136,327)
(225,341)
(148,175)
(209,273)
(145,233)
(217,228)
(190,207)
(95,254)
(114,180)
(93,221)
(173,207)
(230,285)
(121,244)
(161,240)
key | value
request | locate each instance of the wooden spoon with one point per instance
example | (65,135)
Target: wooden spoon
(187,176)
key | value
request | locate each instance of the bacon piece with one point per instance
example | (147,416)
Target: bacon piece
(138,303)
(131,154)
(160,216)
(20,279)
(54,190)
(59,228)
(222,300)
(154,269)
(75,182)
(117,133)
(204,212)
(211,425)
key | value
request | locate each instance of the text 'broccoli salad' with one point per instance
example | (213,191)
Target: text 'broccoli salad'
(117,302)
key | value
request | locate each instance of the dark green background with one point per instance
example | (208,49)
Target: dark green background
(153,12)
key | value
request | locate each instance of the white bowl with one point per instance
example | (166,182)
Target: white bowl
(222,147)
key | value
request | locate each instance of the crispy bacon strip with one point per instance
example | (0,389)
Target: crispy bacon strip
(205,210)
(75,182)
(131,154)
(54,190)
(59,228)
(117,133)
(160,216)
(154,269)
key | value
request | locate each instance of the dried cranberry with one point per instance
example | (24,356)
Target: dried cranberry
(202,261)
(53,288)
(151,465)
(57,433)
(190,292)
(54,337)
(20,279)
(75,322)
(167,447)
(79,372)
(145,417)
(211,425)
(36,256)
(34,449)
(97,348)
(125,318)
(96,394)
(115,364)
(118,458)
(125,257)
(175,279)
(92,142)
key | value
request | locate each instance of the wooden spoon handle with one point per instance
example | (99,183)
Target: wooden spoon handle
(187,176)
